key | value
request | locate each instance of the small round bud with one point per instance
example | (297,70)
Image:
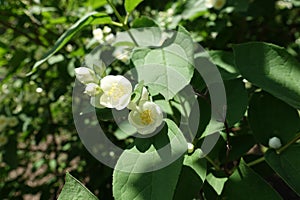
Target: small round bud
(92,89)
(106,29)
(274,143)
(190,147)
(98,35)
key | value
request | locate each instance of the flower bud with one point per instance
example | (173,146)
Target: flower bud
(92,89)
(190,147)
(106,29)
(275,143)
(85,75)
(110,38)
(98,35)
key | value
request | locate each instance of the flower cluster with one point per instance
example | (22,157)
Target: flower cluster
(104,35)
(115,91)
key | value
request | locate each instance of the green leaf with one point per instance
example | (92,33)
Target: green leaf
(130,5)
(286,165)
(144,21)
(145,156)
(137,93)
(166,70)
(193,9)
(216,183)
(91,18)
(271,68)
(240,145)
(245,184)
(237,100)
(144,37)
(270,117)
(158,184)
(192,176)
(198,165)
(125,129)
(75,190)
(225,62)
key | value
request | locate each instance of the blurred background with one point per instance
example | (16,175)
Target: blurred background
(38,139)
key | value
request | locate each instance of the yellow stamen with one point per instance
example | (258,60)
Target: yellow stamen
(146,117)
(116,91)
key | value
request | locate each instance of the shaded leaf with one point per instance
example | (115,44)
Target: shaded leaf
(237,100)
(244,185)
(270,67)
(286,165)
(141,176)
(270,117)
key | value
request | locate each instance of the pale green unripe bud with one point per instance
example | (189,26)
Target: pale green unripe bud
(190,147)
(275,143)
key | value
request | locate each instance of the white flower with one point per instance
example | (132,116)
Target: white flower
(217,4)
(116,92)
(92,89)
(106,29)
(274,143)
(85,75)
(3,122)
(12,121)
(98,35)
(3,140)
(190,147)
(146,117)
(110,38)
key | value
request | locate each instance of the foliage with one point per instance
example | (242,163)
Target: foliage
(254,45)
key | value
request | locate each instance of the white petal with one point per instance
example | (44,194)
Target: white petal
(106,101)
(107,82)
(85,75)
(123,102)
(135,120)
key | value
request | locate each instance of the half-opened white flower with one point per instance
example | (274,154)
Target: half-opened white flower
(146,117)
(116,92)
(85,75)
